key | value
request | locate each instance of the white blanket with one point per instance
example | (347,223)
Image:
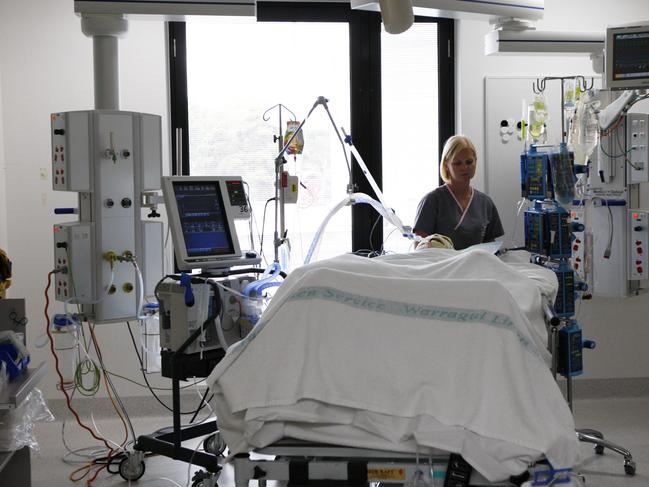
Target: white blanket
(435,349)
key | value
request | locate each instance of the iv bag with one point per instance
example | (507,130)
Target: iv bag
(563,176)
(297,144)
(584,131)
(537,116)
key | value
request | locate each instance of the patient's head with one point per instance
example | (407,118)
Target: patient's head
(435,241)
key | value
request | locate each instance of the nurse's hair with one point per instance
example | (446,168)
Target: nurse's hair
(453,146)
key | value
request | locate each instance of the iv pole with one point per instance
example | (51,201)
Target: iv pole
(279,161)
(280,231)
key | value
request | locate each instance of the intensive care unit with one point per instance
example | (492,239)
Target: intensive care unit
(288,352)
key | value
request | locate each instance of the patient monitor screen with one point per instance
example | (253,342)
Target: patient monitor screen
(203,219)
(631,56)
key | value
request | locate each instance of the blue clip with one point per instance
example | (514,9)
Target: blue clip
(551,477)
(186,282)
(348,139)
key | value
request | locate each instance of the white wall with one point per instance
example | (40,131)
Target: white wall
(3,191)
(47,67)
(619,326)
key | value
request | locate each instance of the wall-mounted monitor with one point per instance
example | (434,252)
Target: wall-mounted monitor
(627,57)
(201,212)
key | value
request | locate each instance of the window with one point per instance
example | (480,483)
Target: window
(394,94)
(409,89)
(232,125)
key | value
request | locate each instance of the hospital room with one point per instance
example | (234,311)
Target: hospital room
(346,243)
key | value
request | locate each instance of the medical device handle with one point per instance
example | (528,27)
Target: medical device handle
(550,316)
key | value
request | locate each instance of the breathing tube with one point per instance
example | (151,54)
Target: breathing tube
(252,307)
(354,198)
(267,280)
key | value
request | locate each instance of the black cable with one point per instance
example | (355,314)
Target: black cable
(263,226)
(128,324)
(252,242)
(207,390)
(372,232)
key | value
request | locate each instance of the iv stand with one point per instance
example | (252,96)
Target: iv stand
(279,236)
(279,161)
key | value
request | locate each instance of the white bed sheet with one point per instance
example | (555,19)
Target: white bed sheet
(435,349)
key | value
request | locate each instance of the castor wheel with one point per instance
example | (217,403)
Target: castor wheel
(629,467)
(214,444)
(132,466)
(204,479)
(599,450)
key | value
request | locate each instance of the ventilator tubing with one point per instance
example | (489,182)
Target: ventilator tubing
(354,198)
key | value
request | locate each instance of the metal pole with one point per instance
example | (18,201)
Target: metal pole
(279,193)
(282,220)
(563,116)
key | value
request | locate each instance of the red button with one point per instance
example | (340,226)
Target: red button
(639,249)
(576,266)
(575,248)
(578,241)
(638,262)
(638,242)
(578,259)
(639,269)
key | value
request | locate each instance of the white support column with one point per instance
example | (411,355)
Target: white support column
(106,72)
(105,31)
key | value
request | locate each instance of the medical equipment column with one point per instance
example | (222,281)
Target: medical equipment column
(105,30)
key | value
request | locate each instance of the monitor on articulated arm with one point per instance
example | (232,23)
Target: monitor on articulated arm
(627,57)
(201,212)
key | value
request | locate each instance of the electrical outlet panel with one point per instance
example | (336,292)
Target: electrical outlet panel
(73,253)
(71,155)
(637,143)
(638,225)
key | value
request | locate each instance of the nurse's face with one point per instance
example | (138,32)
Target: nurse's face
(462,168)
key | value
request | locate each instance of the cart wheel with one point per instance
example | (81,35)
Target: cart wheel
(599,450)
(199,478)
(214,444)
(131,469)
(629,467)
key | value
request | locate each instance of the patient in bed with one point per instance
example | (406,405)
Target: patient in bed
(434,350)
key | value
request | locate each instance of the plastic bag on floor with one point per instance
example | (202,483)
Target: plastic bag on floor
(17,425)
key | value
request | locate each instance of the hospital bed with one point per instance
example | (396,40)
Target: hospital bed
(273,399)
(302,463)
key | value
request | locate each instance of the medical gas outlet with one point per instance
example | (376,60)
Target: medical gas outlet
(110,158)
(638,244)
